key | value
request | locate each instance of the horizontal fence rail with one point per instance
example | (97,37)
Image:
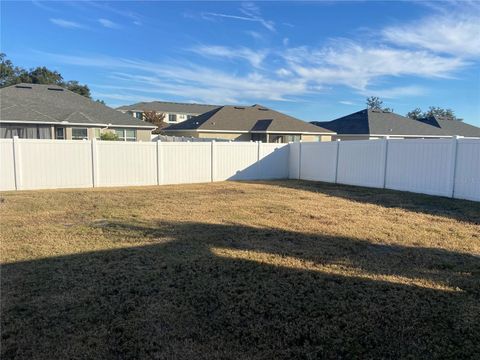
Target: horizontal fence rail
(444,167)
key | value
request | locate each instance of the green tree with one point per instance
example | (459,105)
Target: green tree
(11,75)
(415,114)
(74,86)
(375,103)
(433,111)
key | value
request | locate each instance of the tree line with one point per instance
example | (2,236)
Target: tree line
(12,75)
(375,103)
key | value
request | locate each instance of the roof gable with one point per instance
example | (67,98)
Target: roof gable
(52,103)
(256,118)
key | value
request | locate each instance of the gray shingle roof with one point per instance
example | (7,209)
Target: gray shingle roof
(170,107)
(452,127)
(254,118)
(386,123)
(54,104)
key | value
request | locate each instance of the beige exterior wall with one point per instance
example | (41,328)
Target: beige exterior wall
(209,135)
(310,138)
(143,135)
(346,138)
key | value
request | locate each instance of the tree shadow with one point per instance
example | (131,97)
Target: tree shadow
(461,210)
(217,291)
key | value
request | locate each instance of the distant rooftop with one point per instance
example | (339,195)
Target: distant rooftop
(52,104)
(169,107)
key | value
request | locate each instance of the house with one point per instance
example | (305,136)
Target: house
(453,127)
(246,123)
(51,112)
(174,112)
(376,124)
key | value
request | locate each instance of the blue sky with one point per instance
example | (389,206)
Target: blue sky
(312,60)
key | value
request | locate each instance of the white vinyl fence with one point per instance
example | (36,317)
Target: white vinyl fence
(445,167)
(27,164)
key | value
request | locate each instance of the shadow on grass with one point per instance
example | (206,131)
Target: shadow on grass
(192,293)
(462,210)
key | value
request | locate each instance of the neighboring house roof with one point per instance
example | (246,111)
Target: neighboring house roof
(52,104)
(169,107)
(254,118)
(378,122)
(453,127)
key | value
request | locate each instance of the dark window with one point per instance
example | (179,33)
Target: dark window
(172,117)
(60,133)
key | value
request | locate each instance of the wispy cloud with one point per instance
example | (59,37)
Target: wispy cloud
(255,58)
(250,12)
(347,102)
(455,34)
(41,5)
(395,92)
(108,23)
(67,24)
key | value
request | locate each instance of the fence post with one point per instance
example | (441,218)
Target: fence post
(336,160)
(16,163)
(94,163)
(453,166)
(212,161)
(300,160)
(159,162)
(386,162)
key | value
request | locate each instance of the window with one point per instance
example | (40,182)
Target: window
(126,134)
(60,133)
(139,115)
(79,133)
(292,138)
(190,116)
(172,117)
(25,131)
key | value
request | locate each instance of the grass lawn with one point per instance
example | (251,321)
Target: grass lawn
(271,270)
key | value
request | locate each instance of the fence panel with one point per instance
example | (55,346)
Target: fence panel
(467,174)
(50,164)
(7,170)
(362,163)
(273,161)
(422,166)
(294,160)
(126,164)
(183,163)
(319,161)
(235,161)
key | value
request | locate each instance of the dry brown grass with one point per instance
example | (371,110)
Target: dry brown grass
(239,270)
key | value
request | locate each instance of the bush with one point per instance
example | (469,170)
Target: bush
(109,136)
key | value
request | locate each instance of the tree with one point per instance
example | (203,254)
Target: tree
(375,103)
(42,75)
(433,111)
(415,114)
(74,86)
(11,75)
(156,119)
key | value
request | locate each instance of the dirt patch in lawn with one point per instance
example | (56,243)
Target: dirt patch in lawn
(282,270)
